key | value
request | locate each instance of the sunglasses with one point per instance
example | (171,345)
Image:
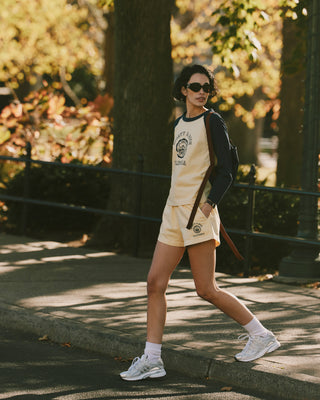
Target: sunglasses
(196,87)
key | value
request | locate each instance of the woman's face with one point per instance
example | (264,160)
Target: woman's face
(197,98)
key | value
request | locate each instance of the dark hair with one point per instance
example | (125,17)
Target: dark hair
(184,77)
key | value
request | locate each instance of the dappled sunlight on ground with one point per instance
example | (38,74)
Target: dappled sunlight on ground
(105,291)
(31,247)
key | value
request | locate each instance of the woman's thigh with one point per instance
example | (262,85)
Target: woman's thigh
(202,259)
(165,259)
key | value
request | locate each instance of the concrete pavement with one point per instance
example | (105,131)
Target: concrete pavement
(97,300)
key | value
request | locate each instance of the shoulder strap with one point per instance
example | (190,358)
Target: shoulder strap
(210,145)
(207,174)
(201,189)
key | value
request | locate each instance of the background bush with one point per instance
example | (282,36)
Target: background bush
(64,185)
(56,132)
(275,213)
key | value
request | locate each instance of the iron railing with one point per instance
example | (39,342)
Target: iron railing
(248,233)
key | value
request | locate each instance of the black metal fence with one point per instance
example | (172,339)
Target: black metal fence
(248,232)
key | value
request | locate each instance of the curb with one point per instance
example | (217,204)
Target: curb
(260,378)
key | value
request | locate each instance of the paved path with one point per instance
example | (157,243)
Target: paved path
(97,300)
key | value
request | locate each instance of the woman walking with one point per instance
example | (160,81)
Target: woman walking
(190,161)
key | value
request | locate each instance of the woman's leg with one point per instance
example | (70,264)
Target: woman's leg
(150,365)
(261,341)
(202,258)
(165,259)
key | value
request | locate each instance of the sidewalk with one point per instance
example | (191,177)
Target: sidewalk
(97,300)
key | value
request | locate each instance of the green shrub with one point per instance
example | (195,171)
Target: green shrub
(274,213)
(64,185)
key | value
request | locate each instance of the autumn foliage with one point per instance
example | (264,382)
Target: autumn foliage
(56,131)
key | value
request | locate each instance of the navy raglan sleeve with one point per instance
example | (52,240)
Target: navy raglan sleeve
(221,178)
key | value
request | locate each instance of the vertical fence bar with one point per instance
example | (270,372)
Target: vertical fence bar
(26,189)
(138,204)
(249,219)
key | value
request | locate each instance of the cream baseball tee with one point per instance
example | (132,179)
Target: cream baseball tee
(190,160)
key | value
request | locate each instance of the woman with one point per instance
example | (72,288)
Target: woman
(190,161)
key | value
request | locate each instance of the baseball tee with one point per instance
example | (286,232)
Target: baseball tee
(191,159)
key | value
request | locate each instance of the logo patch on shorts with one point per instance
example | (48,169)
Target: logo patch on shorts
(197,229)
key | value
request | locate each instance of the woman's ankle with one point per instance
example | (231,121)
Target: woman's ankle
(153,351)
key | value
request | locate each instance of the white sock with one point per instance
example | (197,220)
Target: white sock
(255,328)
(153,351)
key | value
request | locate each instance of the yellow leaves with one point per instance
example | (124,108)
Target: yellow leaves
(57,131)
(39,36)
(238,76)
(193,35)
(33,80)
(4,134)
(239,111)
(185,53)
(20,76)
(246,116)
(56,106)
(183,5)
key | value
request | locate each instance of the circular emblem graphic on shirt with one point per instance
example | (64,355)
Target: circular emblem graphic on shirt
(197,228)
(181,147)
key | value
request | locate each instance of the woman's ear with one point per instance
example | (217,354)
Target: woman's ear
(184,91)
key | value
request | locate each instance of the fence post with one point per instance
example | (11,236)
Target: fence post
(138,204)
(26,189)
(249,219)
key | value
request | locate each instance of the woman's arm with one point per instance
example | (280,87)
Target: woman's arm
(221,178)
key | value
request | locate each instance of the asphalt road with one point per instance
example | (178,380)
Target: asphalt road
(40,369)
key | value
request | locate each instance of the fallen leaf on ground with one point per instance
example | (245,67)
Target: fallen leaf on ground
(226,389)
(44,338)
(265,277)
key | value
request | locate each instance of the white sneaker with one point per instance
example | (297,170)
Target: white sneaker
(257,346)
(142,368)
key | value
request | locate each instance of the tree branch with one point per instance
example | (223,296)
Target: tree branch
(67,88)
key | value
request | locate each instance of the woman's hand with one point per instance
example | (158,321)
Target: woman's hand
(206,209)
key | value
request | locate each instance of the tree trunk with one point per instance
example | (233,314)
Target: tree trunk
(292,100)
(108,72)
(142,119)
(246,139)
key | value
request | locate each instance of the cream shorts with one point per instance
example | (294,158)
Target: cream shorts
(173,229)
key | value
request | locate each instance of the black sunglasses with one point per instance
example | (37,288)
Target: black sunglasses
(196,87)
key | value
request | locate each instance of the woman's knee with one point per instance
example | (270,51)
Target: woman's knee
(155,285)
(208,293)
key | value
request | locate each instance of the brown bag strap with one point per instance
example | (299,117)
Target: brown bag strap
(201,189)
(198,198)
(230,243)
(207,174)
